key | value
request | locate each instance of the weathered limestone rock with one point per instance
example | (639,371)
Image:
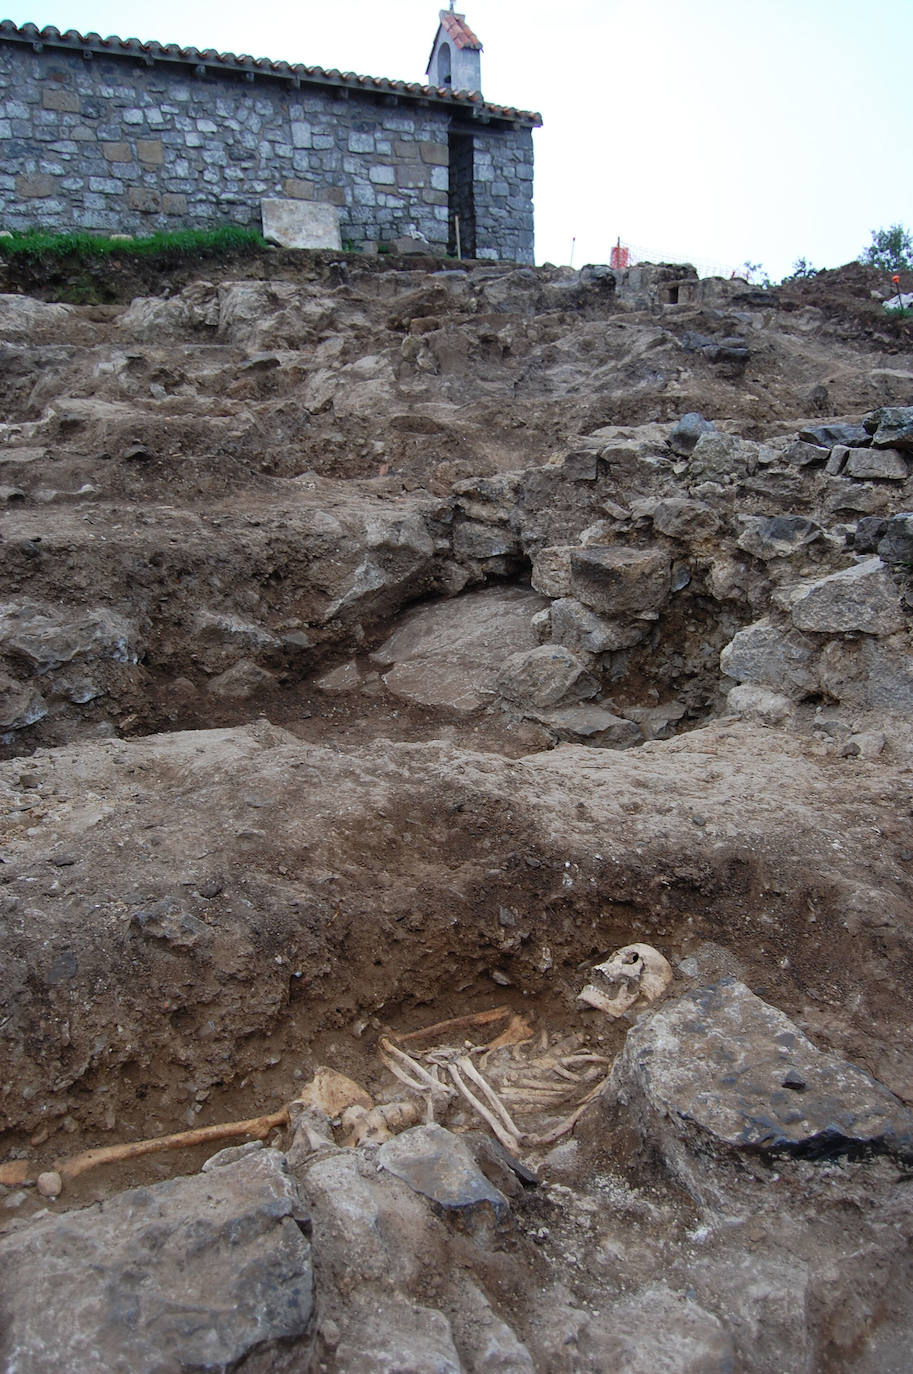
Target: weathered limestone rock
(891,427)
(826,436)
(21,317)
(779,536)
(301,224)
(450,654)
(658,1331)
(769,656)
(867,534)
(861,598)
(346,678)
(837,460)
(398,1335)
(718,1069)
(896,544)
(548,675)
(242,681)
(20,704)
(871,672)
(688,520)
(803,454)
(437,1164)
(880,463)
(716,457)
(759,703)
(47,637)
(686,433)
(551,572)
(599,727)
(583,632)
(617,581)
(472,539)
(194,1273)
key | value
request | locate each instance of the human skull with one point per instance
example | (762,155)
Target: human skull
(630,973)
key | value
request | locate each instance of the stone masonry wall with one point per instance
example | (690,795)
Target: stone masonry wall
(503,187)
(112,144)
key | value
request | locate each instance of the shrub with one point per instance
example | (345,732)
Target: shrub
(802,271)
(890,250)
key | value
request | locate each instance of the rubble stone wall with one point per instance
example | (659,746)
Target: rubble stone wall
(114,145)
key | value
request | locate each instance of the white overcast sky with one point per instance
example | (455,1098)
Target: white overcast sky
(713,131)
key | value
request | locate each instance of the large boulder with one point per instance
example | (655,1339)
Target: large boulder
(196,1273)
(549,675)
(719,1071)
(858,599)
(617,581)
(449,654)
(770,656)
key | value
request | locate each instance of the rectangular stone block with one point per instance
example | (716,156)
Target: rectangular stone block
(332,195)
(412,175)
(298,189)
(174,204)
(117,152)
(34,187)
(150,150)
(57,98)
(106,186)
(361,143)
(436,154)
(301,224)
(382,175)
(145,200)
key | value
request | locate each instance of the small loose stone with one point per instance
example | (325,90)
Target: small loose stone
(50,1184)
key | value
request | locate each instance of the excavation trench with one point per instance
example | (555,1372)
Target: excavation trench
(179,1031)
(440,681)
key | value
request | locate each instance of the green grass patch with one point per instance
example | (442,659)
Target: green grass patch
(899,312)
(41,245)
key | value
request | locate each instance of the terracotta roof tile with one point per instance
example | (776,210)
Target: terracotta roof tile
(458,31)
(171,52)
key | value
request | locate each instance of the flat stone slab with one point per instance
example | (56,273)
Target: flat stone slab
(190,1274)
(301,224)
(449,654)
(720,1067)
(594,724)
(436,1163)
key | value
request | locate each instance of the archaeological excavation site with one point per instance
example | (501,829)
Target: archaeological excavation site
(456,880)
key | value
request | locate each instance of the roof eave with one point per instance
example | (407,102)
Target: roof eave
(229,64)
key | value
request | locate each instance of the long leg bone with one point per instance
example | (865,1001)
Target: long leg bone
(468,1068)
(508,1140)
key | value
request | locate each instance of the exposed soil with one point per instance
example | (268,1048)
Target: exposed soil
(242,837)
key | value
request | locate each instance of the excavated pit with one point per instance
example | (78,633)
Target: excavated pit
(373,653)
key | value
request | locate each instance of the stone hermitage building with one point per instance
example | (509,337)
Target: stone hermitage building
(115,135)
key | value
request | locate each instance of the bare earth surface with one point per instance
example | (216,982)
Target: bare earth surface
(380,650)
